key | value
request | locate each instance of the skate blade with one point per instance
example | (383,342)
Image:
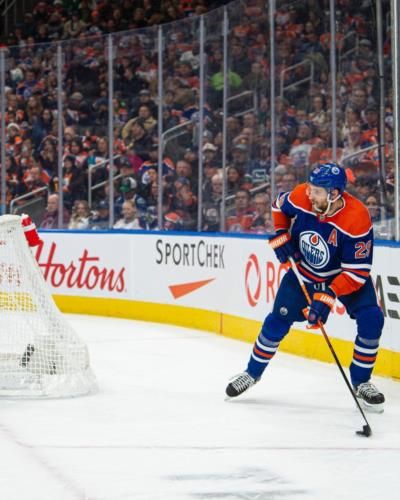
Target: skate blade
(378,408)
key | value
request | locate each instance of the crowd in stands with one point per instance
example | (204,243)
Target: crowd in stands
(303,111)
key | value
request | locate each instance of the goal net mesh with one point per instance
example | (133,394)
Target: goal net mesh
(40,353)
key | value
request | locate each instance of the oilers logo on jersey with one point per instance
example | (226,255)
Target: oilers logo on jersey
(314,249)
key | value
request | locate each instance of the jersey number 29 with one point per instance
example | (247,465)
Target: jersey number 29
(363,249)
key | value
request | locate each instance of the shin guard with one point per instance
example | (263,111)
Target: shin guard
(266,345)
(369,329)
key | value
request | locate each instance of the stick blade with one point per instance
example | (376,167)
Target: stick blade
(367,431)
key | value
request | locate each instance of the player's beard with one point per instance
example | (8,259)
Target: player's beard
(320,207)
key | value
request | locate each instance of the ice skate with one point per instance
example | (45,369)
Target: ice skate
(370,397)
(239,384)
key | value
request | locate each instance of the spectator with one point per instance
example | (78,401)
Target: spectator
(128,191)
(13,178)
(318,115)
(256,80)
(240,158)
(217,85)
(240,218)
(100,218)
(184,203)
(352,117)
(80,215)
(358,98)
(262,219)
(144,115)
(371,123)
(239,62)
(259,169)
(129,219)
(143,99)
(353,146)
(42,126)
(35,178)
(210,155)
(138,139)
(50,217)
(74,26)
(373,208)
(184,169)
(173,222)
(73,182)
(234,180)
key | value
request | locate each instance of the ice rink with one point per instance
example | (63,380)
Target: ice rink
(159,427)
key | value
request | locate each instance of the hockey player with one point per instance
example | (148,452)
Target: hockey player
(329,233)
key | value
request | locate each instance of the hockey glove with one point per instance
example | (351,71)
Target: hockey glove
(282,246)
(321,306)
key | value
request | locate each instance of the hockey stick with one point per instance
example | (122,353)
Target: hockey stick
(366,431)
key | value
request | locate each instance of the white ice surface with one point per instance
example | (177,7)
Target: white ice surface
(159,427)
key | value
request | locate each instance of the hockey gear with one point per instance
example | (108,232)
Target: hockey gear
(30,231)
(370,321)
(329,176)
(370,396)
(366,431)
(321,306)
(239,384)
(282,246)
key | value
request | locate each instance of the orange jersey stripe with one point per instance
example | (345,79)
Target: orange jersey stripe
(364,358)
(263,354)
(344,284)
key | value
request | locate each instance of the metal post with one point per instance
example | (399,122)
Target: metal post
(382,111)
(160,129)
(332,24)
(110,130)
(201,127)
(272,92)
(224,113)
(60,146)
(395,18)
(3,131)
(6,19)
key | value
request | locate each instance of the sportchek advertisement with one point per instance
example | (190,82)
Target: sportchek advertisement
(232,275)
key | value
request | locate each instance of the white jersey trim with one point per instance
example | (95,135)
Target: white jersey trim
(300,208)
(356,266)
(260,360)
(355,277)
(363,365)
(265,348)
(365,350)
(327,273)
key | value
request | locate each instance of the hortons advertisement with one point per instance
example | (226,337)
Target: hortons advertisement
(229,275)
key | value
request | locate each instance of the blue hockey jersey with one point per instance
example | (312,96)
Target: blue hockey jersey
(336,248)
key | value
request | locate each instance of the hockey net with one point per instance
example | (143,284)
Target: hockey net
(40,354)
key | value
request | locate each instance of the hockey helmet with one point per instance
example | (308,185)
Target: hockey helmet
(329,176)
